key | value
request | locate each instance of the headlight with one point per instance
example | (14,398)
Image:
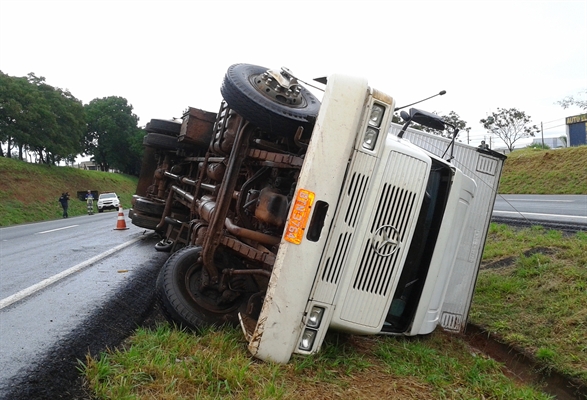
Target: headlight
(370,138)
(372,132)
(315,317)
(376,115)
(308,338)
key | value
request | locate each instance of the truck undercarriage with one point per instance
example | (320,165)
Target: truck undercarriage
(225,180)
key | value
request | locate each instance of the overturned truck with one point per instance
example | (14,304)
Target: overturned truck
(291,216)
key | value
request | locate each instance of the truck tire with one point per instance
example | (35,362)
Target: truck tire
(166,142)
(144,221)
(184,303)
(163,126)
(145,206)
(161,141)
(273,117)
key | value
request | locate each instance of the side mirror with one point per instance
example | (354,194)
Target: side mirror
(421,117)
(427,119)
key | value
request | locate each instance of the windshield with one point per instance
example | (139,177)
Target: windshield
(407,295)
(108,196)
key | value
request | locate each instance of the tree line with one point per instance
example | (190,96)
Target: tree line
(51,125)
(508,124)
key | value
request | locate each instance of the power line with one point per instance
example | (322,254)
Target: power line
(552,127)
(547,122)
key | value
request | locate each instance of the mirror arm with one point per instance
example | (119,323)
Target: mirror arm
(451,145)
(404,128)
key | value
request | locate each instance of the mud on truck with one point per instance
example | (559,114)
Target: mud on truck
(290,216)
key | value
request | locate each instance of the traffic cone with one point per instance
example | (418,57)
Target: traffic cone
(120,224)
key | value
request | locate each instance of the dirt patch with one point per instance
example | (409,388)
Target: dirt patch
(523,367)
(509,261)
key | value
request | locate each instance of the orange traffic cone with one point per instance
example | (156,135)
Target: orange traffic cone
(120,224)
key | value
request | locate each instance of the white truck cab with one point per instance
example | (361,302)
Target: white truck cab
(291,216)
(372,234)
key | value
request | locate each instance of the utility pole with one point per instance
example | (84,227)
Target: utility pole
(542,133)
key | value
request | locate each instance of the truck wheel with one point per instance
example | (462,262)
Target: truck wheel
(161,141)
(146,206)
(144,221)
(165,142)
(185,302)
(163,126)
(264,107)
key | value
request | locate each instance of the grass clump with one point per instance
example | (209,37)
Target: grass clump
(532,293)
(171,364)
(166,363)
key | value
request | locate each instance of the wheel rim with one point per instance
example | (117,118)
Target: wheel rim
(205,298)
(281,87)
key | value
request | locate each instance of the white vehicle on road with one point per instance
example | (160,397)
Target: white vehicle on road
(108,201)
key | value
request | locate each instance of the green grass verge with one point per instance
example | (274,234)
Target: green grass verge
(532,293)
(30,192)
(166,363)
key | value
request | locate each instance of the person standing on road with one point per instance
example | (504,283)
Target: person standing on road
(64,199)
(90,202)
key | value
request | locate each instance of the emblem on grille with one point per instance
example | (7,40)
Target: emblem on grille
(385,240)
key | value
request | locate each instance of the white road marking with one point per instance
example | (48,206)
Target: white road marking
(49,281)
(541,201)
(58,229)
(541,215)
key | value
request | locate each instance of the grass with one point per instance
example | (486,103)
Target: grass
(532,293)
(537,171)
(166,363)
(29,192)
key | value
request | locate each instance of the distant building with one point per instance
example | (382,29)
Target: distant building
(577,130)
(91,166)
(88,165)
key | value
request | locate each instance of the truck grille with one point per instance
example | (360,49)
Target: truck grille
(394,208)
(339,246)
(370,275)
(357,190)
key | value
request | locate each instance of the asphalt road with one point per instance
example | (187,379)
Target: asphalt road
(562,209)
(68,288)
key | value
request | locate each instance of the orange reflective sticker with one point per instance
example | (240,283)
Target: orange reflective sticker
(296,225)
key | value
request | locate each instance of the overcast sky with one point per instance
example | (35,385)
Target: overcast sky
(163,56)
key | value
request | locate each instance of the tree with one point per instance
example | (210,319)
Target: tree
(112,135)
(510,125)
(58,133)
(452,118)
(17,112)
(37,117)
(572,101)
